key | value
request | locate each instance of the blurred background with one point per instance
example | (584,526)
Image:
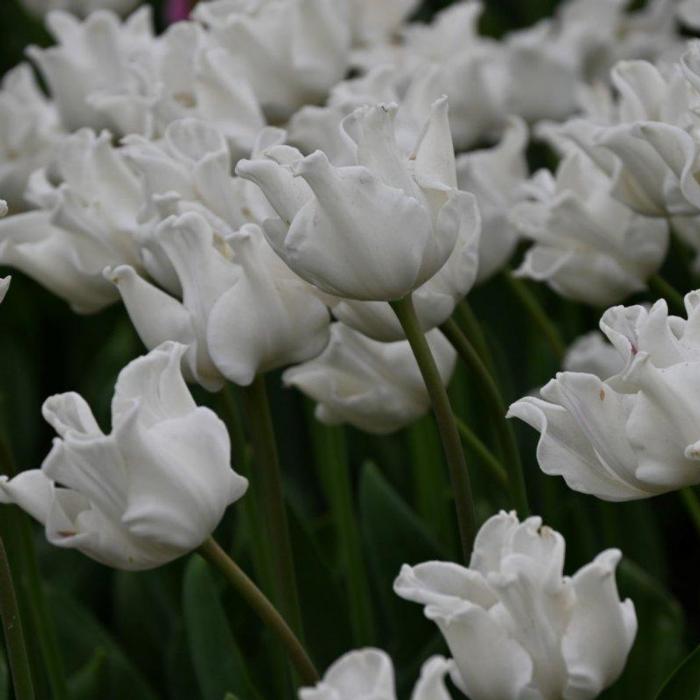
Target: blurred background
(162,633)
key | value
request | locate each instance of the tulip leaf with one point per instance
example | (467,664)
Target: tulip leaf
(218,663)
(684,683)
(79,632)
(393,536)
(89,681)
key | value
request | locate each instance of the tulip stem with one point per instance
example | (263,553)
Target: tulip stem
(14,635)
(447,426)
(506,436)
(262,435)
(536,312)
(483,452)
(474,332)
(263,608)
(667,291)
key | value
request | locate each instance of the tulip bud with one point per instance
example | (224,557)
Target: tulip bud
(517,628)
(151,490)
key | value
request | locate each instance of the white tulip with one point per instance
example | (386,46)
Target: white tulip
(79,7)
(495,175)
(588,247)
(148,492)
(633,435)
(290,51)
(368,674)
(92,56)
(86,222)
(373,21)
(376,387)
(592,354)
(4,286)
(516,627)
(29,127)
(374,231)
(242,312)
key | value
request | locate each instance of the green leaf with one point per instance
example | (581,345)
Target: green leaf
(684,683)
(218,663)
(80,634)
(90,680)
(393,536)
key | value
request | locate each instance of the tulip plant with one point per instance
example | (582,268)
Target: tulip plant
(318,300)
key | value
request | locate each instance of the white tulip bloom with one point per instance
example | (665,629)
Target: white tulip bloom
(241,311)
(79,7)
(368,674)
(592,354)
(495,176)
(148,492)
(374,22)
(290,51)
(374,231)
(633,435)
(588,247)
(516,627)
(86,222)
(4,286)
(29,127)
(434,301)
(92,57)
(376,387)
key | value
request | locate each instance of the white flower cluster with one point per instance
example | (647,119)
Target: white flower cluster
(259,184)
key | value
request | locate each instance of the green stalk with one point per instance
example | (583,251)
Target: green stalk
(506,436)
(335,472)
(269,477)
(454,455)
(14,635)
(667,291)
(473,329)
(536,313)
(31,588)
(263,608)
(482,452)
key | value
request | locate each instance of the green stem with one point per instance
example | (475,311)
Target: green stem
(31,588)
(536,313)
(454,455)
(470,357)
(482,452)
(692,506)
(473,329)
(269,477)
(335,469)
(263,608)
(667,291)
(14,636)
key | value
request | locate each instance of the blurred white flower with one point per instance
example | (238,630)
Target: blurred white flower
(368,674)
(86,222)
(374,21)
(374,231)
(592,354)
(377,387)
(151,490)
(79,7)
(91,57)
(4,286)
(290,51)
(241,310)
(516,627)
(29,127)
(588,247)
(495,175)
(633,435)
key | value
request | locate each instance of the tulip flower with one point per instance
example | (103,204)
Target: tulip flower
(374,231)
(290,51)
(242,311)
(588,247)
(516,627)
(79,7)
(148,492)
(495,175)
(368,674)
(633,435)
(377,387)
(4,286)
(87,221)
(593,354)
(375,22)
